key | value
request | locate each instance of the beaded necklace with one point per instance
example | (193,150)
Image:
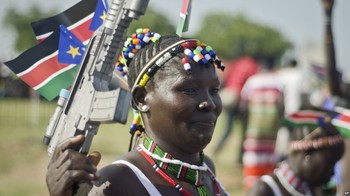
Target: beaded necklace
(293,184)
(192,174)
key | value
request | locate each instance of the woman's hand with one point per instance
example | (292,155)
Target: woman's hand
(68,167)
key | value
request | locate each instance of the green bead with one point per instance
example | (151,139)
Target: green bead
(139,31)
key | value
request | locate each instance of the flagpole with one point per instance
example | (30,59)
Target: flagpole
(184,19)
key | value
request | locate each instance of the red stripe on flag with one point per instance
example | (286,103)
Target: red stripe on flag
(184,8)
(306,115)
(82,31)
(344,117)
(43,71)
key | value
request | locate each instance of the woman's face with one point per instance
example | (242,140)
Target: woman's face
(174,116)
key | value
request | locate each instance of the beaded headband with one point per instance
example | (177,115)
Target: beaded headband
(202,54)
(303,145)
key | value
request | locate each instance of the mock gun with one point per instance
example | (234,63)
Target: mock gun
(91,100)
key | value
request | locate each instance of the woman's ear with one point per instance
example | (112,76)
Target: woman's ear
(138,97)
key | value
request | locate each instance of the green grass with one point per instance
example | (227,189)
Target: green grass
(24,158)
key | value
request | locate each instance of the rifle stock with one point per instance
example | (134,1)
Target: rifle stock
(90,101)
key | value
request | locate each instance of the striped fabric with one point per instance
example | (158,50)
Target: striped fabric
(264,98)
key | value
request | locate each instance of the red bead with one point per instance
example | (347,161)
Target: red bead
(184,60)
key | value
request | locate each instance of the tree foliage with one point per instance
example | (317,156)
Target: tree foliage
(20,22)
(153,20)
(234,36)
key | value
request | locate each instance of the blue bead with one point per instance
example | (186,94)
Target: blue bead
(142,43)
(140,36)
(204,52)
(132,46)
(212,53)
(203,61)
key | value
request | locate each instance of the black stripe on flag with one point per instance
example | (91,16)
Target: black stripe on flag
(34,54)
(67,18)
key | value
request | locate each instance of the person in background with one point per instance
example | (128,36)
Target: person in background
(175,95)
(237,73)
(262,98)
(291,77)
(313,152)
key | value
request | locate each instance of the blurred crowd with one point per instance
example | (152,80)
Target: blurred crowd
(260,94)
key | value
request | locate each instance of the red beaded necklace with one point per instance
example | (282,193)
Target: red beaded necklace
(159,170)
(162,173)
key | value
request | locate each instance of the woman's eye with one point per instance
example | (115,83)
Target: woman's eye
(190,91)
(215,91)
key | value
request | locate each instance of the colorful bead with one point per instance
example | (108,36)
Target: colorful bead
(186,64)
(144,80)
(132,45)
(316,143)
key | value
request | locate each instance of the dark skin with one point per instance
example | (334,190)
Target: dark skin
(174,121)
(308,165)
(315,170)
(68,166)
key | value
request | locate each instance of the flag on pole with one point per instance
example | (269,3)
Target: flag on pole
(304,118)
(342,123)
(99,15)
(70,49)
(40,69)
(184,17)
(77,19)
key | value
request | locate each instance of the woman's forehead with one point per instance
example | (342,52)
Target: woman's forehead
(198,72)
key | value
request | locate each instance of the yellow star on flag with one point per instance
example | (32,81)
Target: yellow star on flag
(73,51)
(103,17)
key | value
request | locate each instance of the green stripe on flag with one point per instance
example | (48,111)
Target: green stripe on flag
(51,89)
(180,26)
(342,127)
(300,123)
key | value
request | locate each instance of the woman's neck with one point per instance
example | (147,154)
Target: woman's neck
(290,182)
(177,153)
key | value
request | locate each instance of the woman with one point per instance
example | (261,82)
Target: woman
(309,164)
(175,94)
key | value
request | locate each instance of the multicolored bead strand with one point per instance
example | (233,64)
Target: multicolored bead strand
(316,143)
(194,50)
(136,125)
(132,45)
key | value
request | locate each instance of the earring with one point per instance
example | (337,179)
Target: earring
(307,158)
(144,108)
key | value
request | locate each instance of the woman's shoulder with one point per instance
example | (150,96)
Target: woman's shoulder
(266,185)
(117,177)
